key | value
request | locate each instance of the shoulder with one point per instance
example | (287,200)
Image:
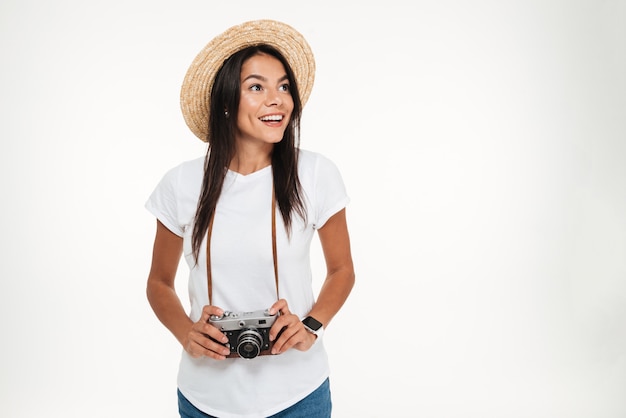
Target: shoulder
(310,161)
(185,170)
(181,179)
(323,186)
(189,166)
(174,199)
(316,171)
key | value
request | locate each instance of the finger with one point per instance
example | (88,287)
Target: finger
(208,330)
(209,310)
(284,328)
(209,338)
(282,322)
(289,338)
(208,348)
(204,339)
(279,306)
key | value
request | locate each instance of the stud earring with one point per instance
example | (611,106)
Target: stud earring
(226,113)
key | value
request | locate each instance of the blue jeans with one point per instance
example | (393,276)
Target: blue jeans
(316,405)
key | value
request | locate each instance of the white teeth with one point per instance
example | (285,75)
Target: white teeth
(272,118)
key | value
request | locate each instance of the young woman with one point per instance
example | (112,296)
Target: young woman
(243,217)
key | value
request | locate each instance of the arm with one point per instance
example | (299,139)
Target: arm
(339,280)
(161,293)
(337,286)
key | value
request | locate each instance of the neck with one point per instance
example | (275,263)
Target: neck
(248,160)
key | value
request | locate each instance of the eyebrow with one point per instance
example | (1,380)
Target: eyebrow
(260,77)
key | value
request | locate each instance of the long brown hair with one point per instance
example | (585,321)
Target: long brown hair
(221,150)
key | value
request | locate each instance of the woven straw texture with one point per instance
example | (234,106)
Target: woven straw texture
(197,84)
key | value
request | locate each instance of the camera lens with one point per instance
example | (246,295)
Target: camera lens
(249,343)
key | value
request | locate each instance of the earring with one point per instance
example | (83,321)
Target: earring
(226,114)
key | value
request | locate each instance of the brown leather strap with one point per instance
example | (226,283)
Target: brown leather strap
(274,252)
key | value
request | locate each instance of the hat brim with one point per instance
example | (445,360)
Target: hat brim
(198,82)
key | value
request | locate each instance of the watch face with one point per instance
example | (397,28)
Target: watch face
(312,323)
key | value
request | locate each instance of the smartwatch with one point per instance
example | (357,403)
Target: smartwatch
(313,325)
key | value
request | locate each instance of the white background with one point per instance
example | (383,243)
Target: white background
(483,144)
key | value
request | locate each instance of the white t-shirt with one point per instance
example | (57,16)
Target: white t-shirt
(243,279)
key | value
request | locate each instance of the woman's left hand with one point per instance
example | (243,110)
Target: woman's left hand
(289,329)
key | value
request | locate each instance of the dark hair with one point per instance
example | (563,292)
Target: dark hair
(225,94)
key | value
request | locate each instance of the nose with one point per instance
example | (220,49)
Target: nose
(273,97)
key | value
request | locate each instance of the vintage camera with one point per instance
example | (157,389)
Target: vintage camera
(247,332)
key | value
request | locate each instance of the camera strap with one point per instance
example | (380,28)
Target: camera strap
(274,254)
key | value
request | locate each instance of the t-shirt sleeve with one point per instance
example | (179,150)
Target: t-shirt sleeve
(162,203)
(330,191)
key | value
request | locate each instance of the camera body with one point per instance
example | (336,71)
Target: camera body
(247,332)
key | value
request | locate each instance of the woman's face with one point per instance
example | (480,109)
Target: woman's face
(266,104)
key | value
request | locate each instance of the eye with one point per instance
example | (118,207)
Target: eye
(256,87)
(284,87)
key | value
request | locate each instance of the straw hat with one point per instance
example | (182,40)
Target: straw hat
(198,82)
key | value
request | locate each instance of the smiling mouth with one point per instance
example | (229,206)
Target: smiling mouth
(272,118)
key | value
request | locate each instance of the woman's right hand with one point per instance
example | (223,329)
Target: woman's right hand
(198,342)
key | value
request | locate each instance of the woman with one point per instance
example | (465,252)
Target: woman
(244,216)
